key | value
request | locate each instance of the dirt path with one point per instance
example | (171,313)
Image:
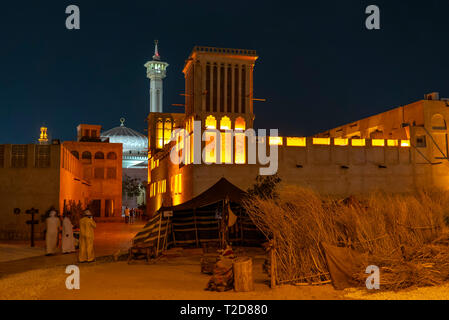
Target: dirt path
(16,257)
(178,278)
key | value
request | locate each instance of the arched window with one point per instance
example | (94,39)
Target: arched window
(211,122)
(225,123)
(86,155)
(167,131)
(112,156)
(438,122)
(240,124)
(76,154)
(159,134)
(99,155)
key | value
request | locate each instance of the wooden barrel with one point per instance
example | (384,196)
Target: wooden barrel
(243,274)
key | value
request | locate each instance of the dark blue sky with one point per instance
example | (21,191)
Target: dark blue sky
(318,68)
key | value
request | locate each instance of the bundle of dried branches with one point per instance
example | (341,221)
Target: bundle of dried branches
(393,231)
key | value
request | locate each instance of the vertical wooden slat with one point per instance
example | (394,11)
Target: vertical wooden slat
(159,235)
(196,228)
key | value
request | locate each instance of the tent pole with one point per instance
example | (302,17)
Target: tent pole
(159,235)
(196,228)
(173,234)
(164,245)
(241,228)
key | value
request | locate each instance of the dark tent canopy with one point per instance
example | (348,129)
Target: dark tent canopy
(197,221)
(218,192)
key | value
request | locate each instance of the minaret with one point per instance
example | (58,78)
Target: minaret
(156,72)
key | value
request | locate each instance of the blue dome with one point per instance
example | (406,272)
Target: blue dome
(133,141)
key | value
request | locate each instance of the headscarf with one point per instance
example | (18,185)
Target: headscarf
(87,213)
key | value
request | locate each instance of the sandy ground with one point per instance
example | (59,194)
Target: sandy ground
(428,293)
(17,251)
(177,278)
(110,238)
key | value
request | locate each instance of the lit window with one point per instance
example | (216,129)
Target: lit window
(211,123)
(226,147)
(358,142)
(192,148)
(167,131)
(177,184)
(240,124)
(225,123)
(275,141)
(392,143)
(296,142)
(210,147)
(405,143)
(378,143)
(322,141)
(240,148)
(341,142)
(159,134)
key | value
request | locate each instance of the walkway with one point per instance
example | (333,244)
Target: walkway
(110,238)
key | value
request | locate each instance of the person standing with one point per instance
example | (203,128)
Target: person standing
(126,215)
(68,243)
(87,226)
(51,236)
(131,216)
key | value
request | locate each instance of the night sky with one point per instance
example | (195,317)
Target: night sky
(319,67)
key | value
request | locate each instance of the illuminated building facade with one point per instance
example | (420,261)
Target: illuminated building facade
(37,176)
(101,163)
(385,152)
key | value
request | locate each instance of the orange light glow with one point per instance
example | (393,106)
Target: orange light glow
(159,134)
(43,136)
(322,141)
(225,123)
(226,147)
(178,184)
(240,124)
(240,148)
(210,147)
(341,142)
(378,143)
(405,143)
(296,142)
(358,142)
(275,141)
(392,143)
(211,123)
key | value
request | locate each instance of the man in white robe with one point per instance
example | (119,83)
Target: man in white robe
(51,237)
(68,242)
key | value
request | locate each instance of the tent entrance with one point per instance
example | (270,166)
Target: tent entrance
(199,221)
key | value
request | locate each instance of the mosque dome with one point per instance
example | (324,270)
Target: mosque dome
(133,141)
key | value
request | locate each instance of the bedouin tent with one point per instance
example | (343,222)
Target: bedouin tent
(213,216)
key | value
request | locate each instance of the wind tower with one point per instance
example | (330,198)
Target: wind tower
(156,72)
